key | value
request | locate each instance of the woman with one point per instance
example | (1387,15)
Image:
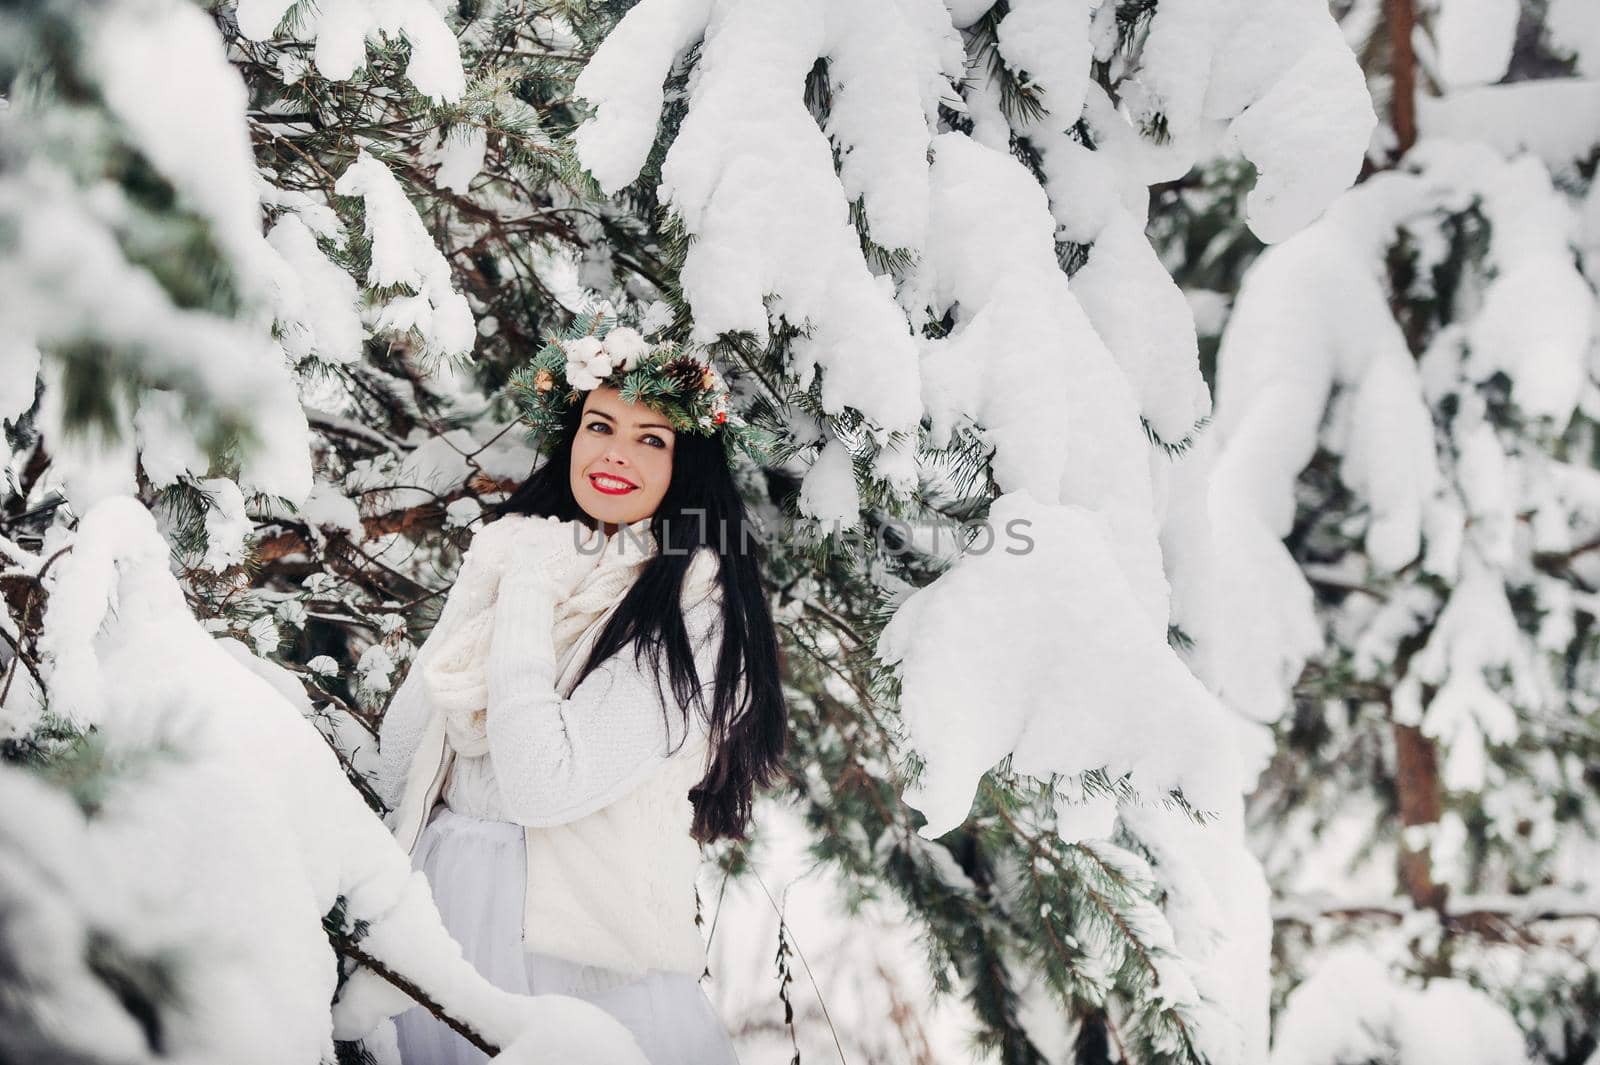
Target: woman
(599,696)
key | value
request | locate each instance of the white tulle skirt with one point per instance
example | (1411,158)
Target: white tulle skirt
(477,870)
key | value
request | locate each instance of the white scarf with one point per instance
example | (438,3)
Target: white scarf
(579,620)
(620,561)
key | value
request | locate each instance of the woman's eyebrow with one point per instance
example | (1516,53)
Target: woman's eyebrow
(641,425)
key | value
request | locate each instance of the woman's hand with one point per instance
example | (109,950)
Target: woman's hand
(556,553)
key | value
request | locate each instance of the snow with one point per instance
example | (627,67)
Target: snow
(460,157)
(1059,656)
(1537,321)
(341,30)
(1306,136)
(1292,92)
(1554,118)
(327,507)
(404,254)
(964,13)
(1475,633)
(232,853)
(1085,187)
(67,281)
(1175,69)
(279,464)
(54,874)
(1229,575)
(314,214)
(1474,40)
(1068,675)
(1388,459)
(746,143)
(374,667)
(318,302)
(19,370)
(1056,378)
(1216,901)
(828,492)
(623,83)
(863,962)
(886,75)
(1574,27)
(1071,435)
(437,466)
(189,120)
(1318,298)
(1049,42)
(91,464)
(167,449)
(1351,1009)
(462,512)
(1436,596)
(1144,319)
(227,524)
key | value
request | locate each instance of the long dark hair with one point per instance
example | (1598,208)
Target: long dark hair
(701,507)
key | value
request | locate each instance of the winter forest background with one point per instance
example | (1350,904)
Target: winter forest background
(1276,319)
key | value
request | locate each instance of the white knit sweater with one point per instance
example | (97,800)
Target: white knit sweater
(611,864)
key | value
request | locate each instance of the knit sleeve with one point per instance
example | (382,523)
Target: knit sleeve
(399,734)
(559,759)
(401,727)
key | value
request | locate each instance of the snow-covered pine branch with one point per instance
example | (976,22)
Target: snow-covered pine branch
(160,344)
(218,833)
(1405,508)
(874,209)
(981,234)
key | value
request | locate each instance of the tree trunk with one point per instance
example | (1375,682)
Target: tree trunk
(1402,20)
(1416,786)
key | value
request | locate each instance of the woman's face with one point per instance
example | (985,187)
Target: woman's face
(621,458)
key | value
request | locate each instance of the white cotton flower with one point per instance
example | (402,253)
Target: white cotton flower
(580,378)
(582,349)
(626,347)
(586,362)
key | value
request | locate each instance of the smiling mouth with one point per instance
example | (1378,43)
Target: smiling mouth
(607,483)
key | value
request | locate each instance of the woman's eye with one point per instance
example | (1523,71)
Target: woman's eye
(652,438)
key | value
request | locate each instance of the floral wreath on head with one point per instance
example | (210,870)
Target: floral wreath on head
(665,377)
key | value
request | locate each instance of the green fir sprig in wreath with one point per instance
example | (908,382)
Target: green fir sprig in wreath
(597,351)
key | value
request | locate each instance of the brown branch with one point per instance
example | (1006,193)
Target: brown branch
(293,541)
(25,624)
(17,655)
(347,947)
(1499,924)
